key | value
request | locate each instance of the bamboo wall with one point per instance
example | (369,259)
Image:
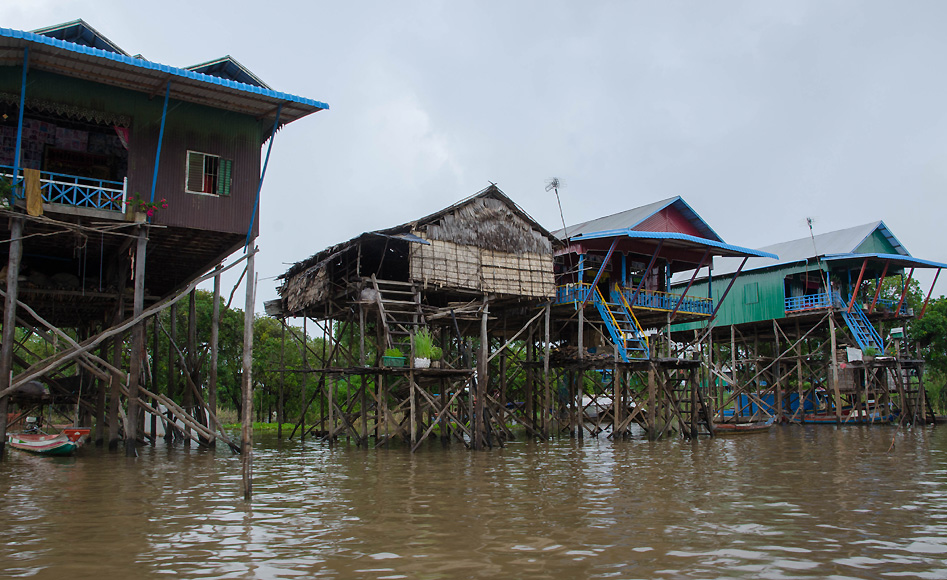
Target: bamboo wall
(446,264)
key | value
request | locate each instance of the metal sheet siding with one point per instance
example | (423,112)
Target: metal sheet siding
(876,243)
(668,220)
(771,292)
(197,128)
(189,127)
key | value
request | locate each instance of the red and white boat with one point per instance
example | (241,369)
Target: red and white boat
(63,443)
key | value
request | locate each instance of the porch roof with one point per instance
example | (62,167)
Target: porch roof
(893,259)
(137,74)
(679,247)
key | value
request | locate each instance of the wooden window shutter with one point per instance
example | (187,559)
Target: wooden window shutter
(223,177)
(195,171)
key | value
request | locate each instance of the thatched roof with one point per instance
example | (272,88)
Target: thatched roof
(493,239)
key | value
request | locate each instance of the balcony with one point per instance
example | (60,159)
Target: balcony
(645,300)
(796,304)
(74,191)
(802,304)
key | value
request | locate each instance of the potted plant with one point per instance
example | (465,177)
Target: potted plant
(393,358)
(424,349)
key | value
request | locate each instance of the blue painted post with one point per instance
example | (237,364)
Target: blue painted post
(259,188)
(710,283)
(624,269)
(164,116)
(19,126)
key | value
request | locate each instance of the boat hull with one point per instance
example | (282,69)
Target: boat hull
(742,428)
(60,444)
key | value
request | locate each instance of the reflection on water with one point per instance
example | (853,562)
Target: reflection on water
(798,502)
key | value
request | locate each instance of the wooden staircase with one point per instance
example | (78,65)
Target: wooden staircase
(399,307)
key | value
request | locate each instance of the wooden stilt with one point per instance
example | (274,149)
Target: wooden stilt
(246,440)
(190,362)
(547,395)
(214,354)
(172,365)
(138,343)
(282,379)
(834,363)
(100,401)
(154,377)
(304,381)
(483,370)
(9,324)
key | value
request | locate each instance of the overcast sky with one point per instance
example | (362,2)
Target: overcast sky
(759,114)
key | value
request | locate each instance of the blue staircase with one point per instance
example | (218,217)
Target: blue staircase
(622,325)
(865,334)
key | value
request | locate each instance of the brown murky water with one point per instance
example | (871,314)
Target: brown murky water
(798,502)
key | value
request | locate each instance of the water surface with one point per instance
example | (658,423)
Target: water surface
(797,502)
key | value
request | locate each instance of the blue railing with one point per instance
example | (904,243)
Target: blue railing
(808,302)
(652,300)
(817,301)
(646,299)
(73,190)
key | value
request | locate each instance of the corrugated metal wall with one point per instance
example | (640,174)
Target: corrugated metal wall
(876,244)
(756,296)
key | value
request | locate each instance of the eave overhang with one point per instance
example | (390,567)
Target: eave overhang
(119,70)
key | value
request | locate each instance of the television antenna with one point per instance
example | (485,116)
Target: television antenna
(553,184)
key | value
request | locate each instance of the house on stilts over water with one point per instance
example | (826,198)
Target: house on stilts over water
(522,316)
(614,305)
(812,336)
(124,182)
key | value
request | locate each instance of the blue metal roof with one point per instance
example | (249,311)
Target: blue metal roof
(896,259)
(143,75)
(692,241)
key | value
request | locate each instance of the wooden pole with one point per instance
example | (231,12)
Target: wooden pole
(547,395)
(581,333)
(304,380)
(363,379)
(215,352)
(191,360)
(100,402)
(9,324)
(282,379)
(115,392)
(172,369)
(138,343)
(483,370)
(154,377)
(246,440)
(834,363)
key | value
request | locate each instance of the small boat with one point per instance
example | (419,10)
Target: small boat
(64,443)
(848,418)
(742,428)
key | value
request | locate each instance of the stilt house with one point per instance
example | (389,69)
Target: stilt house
(122,183)
(449,261)
(92,135)
(807,327)
(619,267)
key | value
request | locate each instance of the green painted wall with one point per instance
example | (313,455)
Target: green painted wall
(756,296)
(876,243)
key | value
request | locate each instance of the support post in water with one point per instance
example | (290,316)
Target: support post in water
(246,441)
(9,323)
(138,343)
